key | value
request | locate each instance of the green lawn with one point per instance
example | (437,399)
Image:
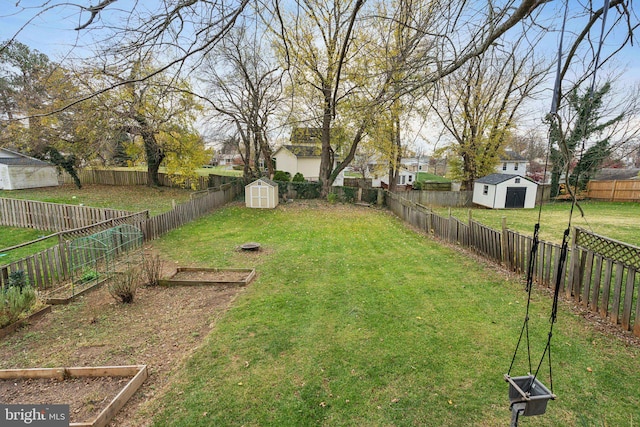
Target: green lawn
(133,198)
(616,220)
(10,236)
(356,320)
(425,176)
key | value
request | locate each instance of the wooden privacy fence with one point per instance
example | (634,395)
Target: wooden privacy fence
(52,216)
(53,266)
(599,273)
(615,191)
(441,198)
(132,177)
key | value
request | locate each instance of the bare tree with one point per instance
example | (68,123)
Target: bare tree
(321,42)
(478,105)
(244,92)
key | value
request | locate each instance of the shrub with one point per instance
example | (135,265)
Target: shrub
(152,269)
(17,279)
(298,177)
(332,198)
(88,276)
(16,301)
(307,190)
(282,176)
(123,286)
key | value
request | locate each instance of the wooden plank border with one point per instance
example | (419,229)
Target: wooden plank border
(139,374)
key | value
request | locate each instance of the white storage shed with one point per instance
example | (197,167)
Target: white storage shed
(18,171)
(504,191)
(261,193)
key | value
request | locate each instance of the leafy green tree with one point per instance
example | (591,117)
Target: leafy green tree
(157,112)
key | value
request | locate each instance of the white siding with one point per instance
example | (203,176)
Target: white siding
(286,161)
(482,199)
(19,177)
(4,177)
(496,196)
(309,167)
(512,167)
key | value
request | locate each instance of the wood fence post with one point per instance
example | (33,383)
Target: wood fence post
(504,244)
(613,191)
(575,263)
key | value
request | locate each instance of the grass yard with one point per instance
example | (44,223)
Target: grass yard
(425,176)
(11,236)
(616,220)
(356,320)
(134,198)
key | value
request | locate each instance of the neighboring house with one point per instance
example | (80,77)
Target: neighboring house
(512,163)
(229,160)
(302,155)
(19,171)
(405,180)
(502,191)
(304,159)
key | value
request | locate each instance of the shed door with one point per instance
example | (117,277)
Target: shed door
(260,196)
(515,197)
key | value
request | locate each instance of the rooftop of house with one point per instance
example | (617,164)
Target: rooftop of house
(306,135)
(304,150)
(607,174)
(510,155)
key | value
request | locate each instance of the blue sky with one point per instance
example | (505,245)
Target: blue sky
(53,34)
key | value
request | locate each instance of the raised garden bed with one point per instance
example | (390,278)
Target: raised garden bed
(68,292)
(60,385)
(209,276)
(15,325)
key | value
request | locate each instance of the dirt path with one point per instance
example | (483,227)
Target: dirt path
(161,328)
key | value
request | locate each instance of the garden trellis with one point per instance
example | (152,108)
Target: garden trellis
(100,255)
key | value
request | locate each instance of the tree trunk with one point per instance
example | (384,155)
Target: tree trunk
(155,155)
(326,155)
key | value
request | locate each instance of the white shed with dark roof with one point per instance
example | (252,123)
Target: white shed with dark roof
(261,193)
(18,171)
(505,191)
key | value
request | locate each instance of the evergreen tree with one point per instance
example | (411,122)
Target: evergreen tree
(586,109)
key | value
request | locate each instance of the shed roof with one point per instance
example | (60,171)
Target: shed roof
(497,178)
(19,159)
(265,180)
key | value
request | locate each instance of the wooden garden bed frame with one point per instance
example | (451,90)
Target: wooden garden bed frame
(16,325)
(138,372)
(170,281)
(67,300)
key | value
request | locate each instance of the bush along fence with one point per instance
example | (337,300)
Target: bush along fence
(54,265)
(599,273)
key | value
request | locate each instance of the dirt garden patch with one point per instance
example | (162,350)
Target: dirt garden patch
(162,327)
